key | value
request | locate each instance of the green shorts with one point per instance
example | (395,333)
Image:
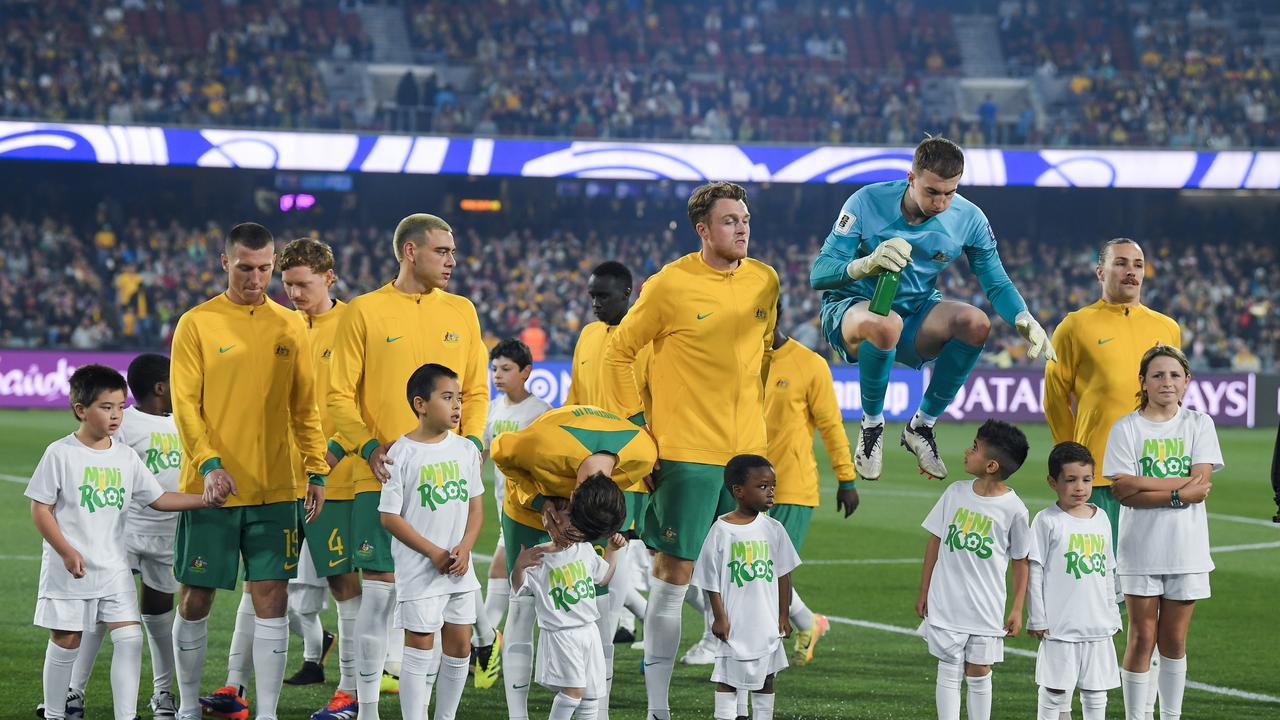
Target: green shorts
(327,537)
(637,504)
(211,541)
(795,519)
(687,499)
(517,534)
(1102,497)
(370,542)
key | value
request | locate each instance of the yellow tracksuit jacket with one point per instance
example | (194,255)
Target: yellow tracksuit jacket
(321,329)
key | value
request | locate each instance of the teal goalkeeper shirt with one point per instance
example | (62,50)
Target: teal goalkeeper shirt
(873,214)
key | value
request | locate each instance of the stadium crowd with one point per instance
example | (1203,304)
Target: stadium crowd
(822,71)
(64,286)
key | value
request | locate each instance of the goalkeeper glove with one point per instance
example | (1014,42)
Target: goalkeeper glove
(1035,336)
(889,256)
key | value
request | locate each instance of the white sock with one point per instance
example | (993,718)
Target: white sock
(606,644)
(661,641)
(126,669)
(483,632)
(270,654)
(562,706)
(376,600)
(1153,684)
(1133,686)
(190,640)
(517,656)
(946,694)
(347,612)
(978,702)
(308,627)
(417,677)
(801,615)
(636,604)
(240,655)
(58,662)
(626,618)
(743,700)
(920,418)
(453,678)
(160,643)
(589,709)
(90,643)
(395,648)
(1050,704)
(696,599)
(1093,704)
(495,600)
(872,420)
(1173,683)
(726,705)
(761,706)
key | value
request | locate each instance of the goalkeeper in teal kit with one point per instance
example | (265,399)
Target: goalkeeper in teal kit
(915,227)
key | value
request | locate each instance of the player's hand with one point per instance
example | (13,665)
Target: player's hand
(380,464)
(784,626)
(1195,491)
(74,563)
(892,255)
(922,607)
(720,628)
(314,501)
(460,560)
(1013,624)
(530,557)
(1037,339)
(617,541)
(847,501)
(330,459)
(1037,634)
(218,483)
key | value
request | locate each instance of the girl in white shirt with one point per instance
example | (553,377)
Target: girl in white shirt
(1159,459)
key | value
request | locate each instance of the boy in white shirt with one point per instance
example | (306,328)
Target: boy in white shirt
(510,363)
(1071,605)
(432,507)
(563,580)
(80,494)
(148,428)
(745,569)
(976,529)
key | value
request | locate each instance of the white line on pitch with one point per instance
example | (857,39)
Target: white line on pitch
(865,561)
(1250,546)
(899,630)
(14,478)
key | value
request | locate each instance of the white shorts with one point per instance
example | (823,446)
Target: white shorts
(1087,665)
(307,570)
(571,658)
(151,556)
(749,674)
(958,647)
(428,615)
(307,599)
(82,615)
(1185,586)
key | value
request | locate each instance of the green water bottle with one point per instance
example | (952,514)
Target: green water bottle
(886,291)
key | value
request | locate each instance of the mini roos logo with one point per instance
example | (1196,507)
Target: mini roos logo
(570,584)
(365,551)
(970,531)
(749,560)
(440,483)
(1086,554)
(102,487)
(761,314)
(451,338)
(941,257)
(199,564)
(282,351)
(1165,457)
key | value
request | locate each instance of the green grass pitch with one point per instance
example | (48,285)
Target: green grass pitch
(863,572)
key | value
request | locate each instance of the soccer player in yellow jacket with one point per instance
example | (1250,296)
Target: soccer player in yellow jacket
(1100,347)
(242,383)
(710,317)
(546,465)
(799,398)
(382,338)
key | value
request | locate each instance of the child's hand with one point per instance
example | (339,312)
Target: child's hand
(617,541)
(1013,624)
(1195,491)
(784,626)
(217,501)
(441,559)
(529,557)
(720,628)
(1123,486)
(74,563)
(1037,634)
(460,558)
(922,607)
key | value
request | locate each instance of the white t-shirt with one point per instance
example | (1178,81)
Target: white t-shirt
(743,564)
(90,491)
(563,587)
(155,439)
(430,487)
(504,417)
(1076,600)
(1163,540)
(979,535)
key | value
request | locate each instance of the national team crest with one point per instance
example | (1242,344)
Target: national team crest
(783,383)
(282,351)
(199,564)
(326,354)
(451,338)
(669,535)
(761,314)
(365,551)
(941,257)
